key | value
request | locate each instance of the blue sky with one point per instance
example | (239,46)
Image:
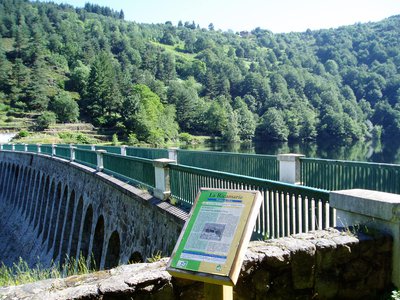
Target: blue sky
(275,15)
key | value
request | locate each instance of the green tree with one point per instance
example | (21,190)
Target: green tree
(103,98)
(273,126)
(145,115)
(46,119)
(66,108)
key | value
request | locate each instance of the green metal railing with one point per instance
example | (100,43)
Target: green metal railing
(286,208)
(110,149)
(19,147)
(63,152)
(133,169)
(46,149)
(85,147)
(86,157)
(32,148)
(150,153)
(7,147)
(339,175)
(260,166)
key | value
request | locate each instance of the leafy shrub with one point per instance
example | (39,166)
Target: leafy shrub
(75,138)
(45,120)
(9,119)
(23,133)
(114,140)
(132,139)
(187,138)
(396,295)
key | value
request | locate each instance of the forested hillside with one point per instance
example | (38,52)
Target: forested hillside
(151,82)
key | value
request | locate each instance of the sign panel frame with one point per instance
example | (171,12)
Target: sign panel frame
(214,239)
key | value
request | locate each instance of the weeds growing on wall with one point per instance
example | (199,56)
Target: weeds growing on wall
(21,273)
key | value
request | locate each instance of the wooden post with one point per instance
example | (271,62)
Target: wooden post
(217,292)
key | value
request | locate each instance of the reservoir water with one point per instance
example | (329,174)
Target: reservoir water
(381,151)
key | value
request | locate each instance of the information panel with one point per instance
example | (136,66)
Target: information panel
(213,241)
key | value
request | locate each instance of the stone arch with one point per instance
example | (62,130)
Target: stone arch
(135,257)
(35,194)
(4,170)
(19,187)
(46,225)
(15,183)
(45,204)
(98,241)
(26,190)
(67,227)
(53,223)
(86,233)
(24,184)
(29,188)
(10,184)
(60,223)
(76,229)
(113,251)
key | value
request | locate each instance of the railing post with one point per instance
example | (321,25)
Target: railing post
(173,153)
(12,147)
(93,147)
(100,160)
(161,170)
(289,168)
(72,152)
(1,146)
(26,147)
(53,149)
(123,150)
(39,149)
(372,210)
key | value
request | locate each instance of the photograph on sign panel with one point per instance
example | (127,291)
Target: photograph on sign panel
(212,231)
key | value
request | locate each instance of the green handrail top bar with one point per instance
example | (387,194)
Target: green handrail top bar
(109,149)
(85,147)
(297,189)
(141,159)
(347,162)
(150,153)
(229,153)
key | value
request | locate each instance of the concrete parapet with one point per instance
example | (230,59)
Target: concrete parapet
(374,210)
(161,170)
(289,168)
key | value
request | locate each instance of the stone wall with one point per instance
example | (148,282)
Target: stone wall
(326,264)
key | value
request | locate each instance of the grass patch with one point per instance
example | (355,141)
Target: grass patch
(60,138)
(21,273)
(176,50)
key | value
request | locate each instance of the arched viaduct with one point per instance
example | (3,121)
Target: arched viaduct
(51,209)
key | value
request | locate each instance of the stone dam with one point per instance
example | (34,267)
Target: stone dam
(51,208)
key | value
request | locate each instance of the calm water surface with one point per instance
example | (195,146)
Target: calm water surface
(381,152)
